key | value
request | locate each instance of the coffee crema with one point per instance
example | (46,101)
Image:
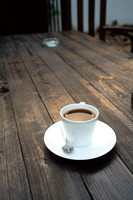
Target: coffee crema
(79,114)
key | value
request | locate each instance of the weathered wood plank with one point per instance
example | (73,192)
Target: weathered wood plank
(13,176)
(98,60)
(101,182)
(110,87)
(94,73)
(79,89)
(11,55)
(32,120)
(91,42)
(102,49)
(82,88)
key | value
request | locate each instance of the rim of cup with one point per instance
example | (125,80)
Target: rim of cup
(76,106)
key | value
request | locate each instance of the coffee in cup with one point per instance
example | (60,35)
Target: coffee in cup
(79,114)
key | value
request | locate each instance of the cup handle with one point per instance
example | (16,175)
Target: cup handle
(82,103)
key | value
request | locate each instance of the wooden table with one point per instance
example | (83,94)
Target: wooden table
(35,83)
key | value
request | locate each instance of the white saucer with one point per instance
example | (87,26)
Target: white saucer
(103,141)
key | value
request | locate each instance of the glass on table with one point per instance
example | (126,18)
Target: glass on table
(51,42)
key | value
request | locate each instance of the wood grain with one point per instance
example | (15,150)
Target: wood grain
(79,88)
(32,120)
(13,176)
(38,81)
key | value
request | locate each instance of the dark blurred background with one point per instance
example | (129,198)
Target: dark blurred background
(22,16)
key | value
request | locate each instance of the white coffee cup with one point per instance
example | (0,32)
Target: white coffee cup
(79,133)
